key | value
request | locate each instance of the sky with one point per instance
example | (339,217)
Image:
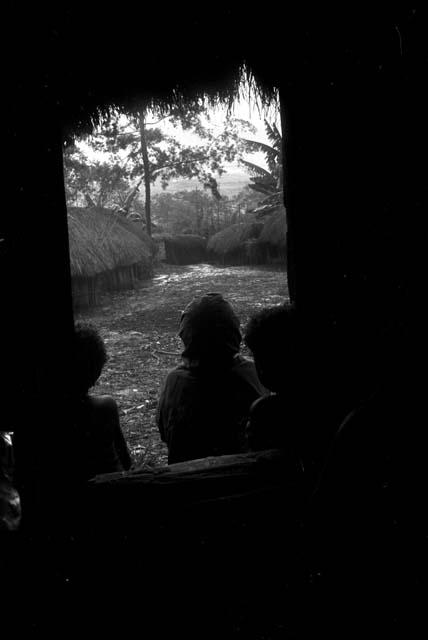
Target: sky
(245,109)
(236,176)
(242,109)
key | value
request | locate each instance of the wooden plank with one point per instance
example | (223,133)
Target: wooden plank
(211,494)
(232,466)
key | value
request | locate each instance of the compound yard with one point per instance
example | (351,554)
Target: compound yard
(139,328)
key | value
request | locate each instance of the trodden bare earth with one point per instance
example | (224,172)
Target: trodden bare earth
(139,328)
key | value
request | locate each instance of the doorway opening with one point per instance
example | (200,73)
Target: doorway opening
(165,204)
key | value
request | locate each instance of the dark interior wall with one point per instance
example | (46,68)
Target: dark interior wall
(36,296)
(349,193)
(354,186)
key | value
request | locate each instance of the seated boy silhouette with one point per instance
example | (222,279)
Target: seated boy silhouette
(271,336)
(84,437)
(204,402)
(96,418)
(79,439)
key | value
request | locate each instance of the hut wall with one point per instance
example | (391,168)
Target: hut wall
(250,252)
(139,272)
(179,252)
(161,253)
(120,278)
(275,254)
(236,258)
(84,292)
(255,252)
(237,245)
(87,291)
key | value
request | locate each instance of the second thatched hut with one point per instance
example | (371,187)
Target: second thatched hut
(258,242)
(272,239)
(107,252)
(236,245)
(181,249)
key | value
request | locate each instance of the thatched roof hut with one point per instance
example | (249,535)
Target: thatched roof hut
(228,245)
(101,240)
(251,243)
(185,249)
(273,237)
(180,249)
(106,252)
(274,230)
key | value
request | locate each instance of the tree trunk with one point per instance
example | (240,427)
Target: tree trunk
(146,167)
(89,201)
(131,196)
(199,217)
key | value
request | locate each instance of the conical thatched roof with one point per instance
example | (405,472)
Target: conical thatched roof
(233,237)
(275,229)
(101,240)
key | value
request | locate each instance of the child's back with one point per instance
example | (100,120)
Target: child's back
(98,435)
(70,437)
(274,421)
(101,447)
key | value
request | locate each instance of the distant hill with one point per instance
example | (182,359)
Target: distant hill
(230,183)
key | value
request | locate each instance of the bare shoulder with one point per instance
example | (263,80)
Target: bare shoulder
(246,369)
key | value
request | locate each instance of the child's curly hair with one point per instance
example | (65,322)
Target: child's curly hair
(89,356)
(271,335)
(270,327)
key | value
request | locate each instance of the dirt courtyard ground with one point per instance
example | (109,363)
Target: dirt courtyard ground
(139,329)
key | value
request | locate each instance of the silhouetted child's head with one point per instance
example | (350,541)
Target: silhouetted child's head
(209,329)
(88,357)
(271,335)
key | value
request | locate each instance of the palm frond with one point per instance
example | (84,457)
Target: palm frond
(256,145)
(278,135)
(258,171)
(273,135)
(260,188)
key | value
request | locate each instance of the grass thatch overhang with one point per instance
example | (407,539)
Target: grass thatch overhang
(232,238)
(274,230)
(84,62)
(221,91)
(101,241)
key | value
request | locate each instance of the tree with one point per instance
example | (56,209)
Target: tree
(187,211)
(267,181)
(102,184)
(198,212)
(141,150)
(247,199)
